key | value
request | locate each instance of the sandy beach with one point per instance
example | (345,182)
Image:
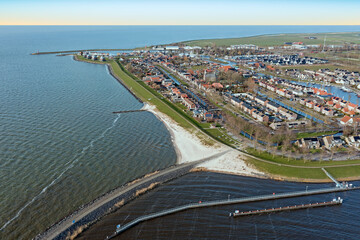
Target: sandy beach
(190,148)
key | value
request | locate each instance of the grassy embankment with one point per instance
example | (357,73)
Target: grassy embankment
(279,39)
(290,168)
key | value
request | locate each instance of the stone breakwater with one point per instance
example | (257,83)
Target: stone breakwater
(122,194)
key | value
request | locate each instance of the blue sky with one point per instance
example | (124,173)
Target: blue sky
(176,12)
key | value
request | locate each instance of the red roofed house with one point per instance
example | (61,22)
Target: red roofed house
(337,106)
(310,104)
(226,68)
(205,86)
(352,106)
(217,86)
(346,120)
(330,103)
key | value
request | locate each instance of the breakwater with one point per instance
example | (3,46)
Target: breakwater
(81,50)
(90,213)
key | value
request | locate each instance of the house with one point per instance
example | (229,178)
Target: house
(273,106)
(260,100)
(353,141)
(263,118)
(317,107)
(280,92)
(189,104)
(352,106)
(328,112)
(209,117)
(310,143)
(236,102)
(328,142)
(205,86)
(310,104)
(217,86)
(346,120)
(293,124)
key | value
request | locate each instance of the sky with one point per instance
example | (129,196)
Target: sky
(179,12)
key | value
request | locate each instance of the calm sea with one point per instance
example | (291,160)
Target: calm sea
(60,144)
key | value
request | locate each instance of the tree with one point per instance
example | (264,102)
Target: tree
(251,85)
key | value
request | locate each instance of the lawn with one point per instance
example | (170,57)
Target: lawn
(295,162)
(289,172)
(343,172)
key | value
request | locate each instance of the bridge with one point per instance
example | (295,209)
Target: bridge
(339,185)
(227,202)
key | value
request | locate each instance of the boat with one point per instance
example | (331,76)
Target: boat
(345,89)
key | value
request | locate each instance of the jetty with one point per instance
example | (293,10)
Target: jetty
(228,202)
(334,202)
(130,111)
(332,178)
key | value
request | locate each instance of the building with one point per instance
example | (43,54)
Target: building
(346,120)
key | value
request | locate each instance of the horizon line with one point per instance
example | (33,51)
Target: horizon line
(180,25)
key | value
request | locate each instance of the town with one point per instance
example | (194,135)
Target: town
(257,93)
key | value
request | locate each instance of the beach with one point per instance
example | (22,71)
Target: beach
(190,148)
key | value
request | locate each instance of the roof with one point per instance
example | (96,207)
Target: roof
(345,119)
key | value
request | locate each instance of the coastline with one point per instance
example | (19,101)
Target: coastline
(190,148)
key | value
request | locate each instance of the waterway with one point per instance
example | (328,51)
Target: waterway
(60,144)
(335,91)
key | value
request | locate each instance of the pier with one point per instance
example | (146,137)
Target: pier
(228,202)
(334,202)
(130,111)
(339,185)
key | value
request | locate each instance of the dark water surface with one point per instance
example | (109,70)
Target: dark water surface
(60,144)
(336,222)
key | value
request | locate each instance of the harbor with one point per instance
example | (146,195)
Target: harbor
(229,201)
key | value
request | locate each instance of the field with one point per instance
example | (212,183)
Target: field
(279,39)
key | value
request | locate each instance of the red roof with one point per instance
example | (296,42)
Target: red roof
(217,85)
(345,119)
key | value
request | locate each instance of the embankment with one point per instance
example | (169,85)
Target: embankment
(88,214)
